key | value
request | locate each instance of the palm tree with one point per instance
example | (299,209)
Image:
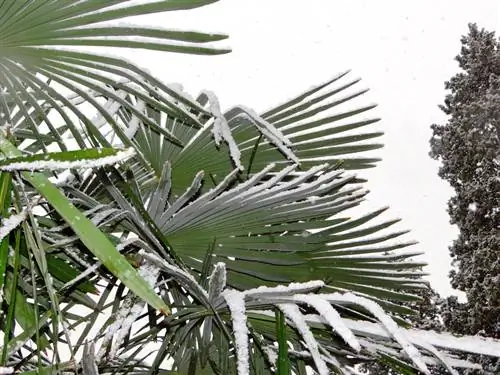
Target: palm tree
(145,229)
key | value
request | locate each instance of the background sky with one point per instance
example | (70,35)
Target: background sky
(402,50)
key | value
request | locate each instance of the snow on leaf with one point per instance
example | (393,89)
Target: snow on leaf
(182,200)
(67,164)
(126,324)
(274,135)
(272,356)
(127,314)
(133,124)
(390,325)
(442,358)
(217,281)
(331,316)
(236,303)
(445,340)
(221,130)
(182,277)
(285,289)
(111,107)
(9,224)
(293,313)
(149,272)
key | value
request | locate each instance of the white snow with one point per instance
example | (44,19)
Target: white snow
(149,272)
(236,303)
(390,325)
(129,311)
(180,274)
(221,130)
(217,281)
(274,135)
(331,316)
(9,224)
(472,207)
(285,289)
(6,370)
(111,107)
(271,354)
(292,312)
(134,122)
(60,164)
(126,324)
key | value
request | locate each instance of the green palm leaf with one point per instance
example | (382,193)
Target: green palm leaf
(37,62)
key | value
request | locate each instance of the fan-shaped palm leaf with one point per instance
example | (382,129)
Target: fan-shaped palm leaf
(37,64)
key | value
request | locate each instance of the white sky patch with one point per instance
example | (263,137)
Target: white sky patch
(236,302)
(9,224)
(60,164)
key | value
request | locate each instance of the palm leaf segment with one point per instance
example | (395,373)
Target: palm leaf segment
(263,193)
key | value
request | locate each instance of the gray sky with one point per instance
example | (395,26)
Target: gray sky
(403,51)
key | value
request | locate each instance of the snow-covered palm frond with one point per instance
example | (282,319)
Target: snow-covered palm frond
(421,348)
(320,334)
(41,59)
(208,235)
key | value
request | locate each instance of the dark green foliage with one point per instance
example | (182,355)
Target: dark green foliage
(468,147)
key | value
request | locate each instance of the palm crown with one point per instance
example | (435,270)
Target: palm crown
(220,235)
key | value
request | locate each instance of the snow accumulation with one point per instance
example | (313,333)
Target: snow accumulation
(128,313)
(6,370)
(149,272)
(293,313)
(236,303)
(443,340)
(285,289)
(179,273)
(111,107)
(274,135)
(217,281)
(60,164)
(390,325)
(221,130)
(333,318)
(133,124)
(9,224)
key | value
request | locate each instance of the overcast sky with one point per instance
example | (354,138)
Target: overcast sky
(403,51)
